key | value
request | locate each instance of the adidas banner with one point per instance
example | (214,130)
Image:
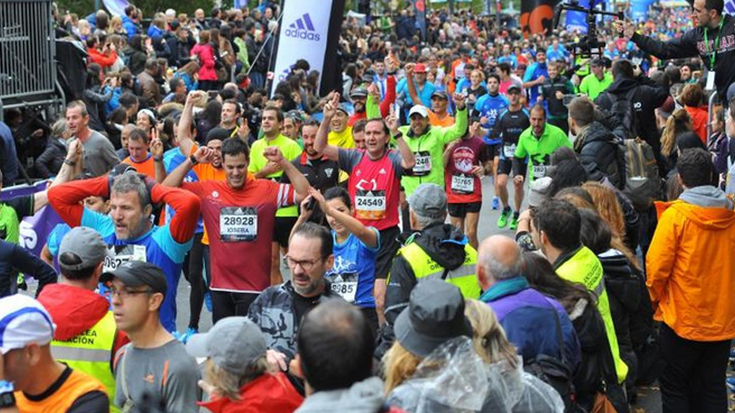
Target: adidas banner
(305,34)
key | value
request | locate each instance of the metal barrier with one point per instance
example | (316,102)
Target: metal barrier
(27,51)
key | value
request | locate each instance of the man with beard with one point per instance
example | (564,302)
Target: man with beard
(321,172)
(128,230)
(279,309)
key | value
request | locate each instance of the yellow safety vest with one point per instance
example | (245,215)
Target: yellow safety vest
(463,276)
(585,268)
(91,352)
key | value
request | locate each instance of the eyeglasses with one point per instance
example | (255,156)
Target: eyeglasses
(307,265)
(124,293)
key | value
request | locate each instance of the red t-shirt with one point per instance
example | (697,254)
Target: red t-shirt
(374,186)
(461,184)
(240,226)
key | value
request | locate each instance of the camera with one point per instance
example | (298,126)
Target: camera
(588,46)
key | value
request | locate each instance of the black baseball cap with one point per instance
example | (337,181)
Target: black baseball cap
(139,273)
(514,87)
(440,94)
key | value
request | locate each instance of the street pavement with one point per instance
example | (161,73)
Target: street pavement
(649,397)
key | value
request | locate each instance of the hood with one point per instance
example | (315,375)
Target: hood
(73,309)
(621,282)
(622,85)
(706,196)
(596,132)
(363,397)
(444,243)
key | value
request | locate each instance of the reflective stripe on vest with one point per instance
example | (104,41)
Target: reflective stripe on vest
(91,352)
(585,268)
(463,277)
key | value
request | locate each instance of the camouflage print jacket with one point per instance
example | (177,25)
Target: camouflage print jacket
(273,311)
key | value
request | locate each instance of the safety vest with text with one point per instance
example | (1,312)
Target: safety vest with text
(91,352)
(424,266)
(585,268)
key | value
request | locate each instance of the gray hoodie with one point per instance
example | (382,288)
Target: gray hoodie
(363,397)
(706,196)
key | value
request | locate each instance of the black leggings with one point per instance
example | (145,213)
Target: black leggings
(227,304)
(194,273)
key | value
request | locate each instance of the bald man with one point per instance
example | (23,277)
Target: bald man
(528,317)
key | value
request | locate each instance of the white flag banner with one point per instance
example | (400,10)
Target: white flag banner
(303,35)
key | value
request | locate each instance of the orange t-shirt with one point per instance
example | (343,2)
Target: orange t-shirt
(435,120)
(147,167)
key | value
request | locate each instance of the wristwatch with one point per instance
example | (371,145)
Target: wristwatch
(157,158)
(398,135)
(70,163)
(7,398)
(193,160)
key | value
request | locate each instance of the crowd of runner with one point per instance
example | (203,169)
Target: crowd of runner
(614,272)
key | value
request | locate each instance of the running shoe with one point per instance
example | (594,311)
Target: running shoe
(503,220)
(184,337)
(496,203)
(513,223)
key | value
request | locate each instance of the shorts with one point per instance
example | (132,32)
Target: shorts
(461,210)
(388,248)
(282,230)
(505,166)
(492,150)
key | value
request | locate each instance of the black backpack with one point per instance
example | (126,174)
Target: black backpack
(557,373)
(622,112)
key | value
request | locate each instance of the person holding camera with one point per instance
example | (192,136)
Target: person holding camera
(705,41)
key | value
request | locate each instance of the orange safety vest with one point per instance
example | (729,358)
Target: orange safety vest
(76,385)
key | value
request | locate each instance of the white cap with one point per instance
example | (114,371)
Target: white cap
(420,109)
(23,321)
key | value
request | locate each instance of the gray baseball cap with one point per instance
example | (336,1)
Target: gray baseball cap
(86,244)
(233,344)
(428,200)
(435,314)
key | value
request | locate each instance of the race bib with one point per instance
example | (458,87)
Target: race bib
(238,224)
(345,285)
(370,204)
(119,254)
(509,151)
(539,171)
(423,163)
(463,183)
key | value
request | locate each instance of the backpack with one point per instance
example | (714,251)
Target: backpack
(622,112)
(642,180)
(556,373)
